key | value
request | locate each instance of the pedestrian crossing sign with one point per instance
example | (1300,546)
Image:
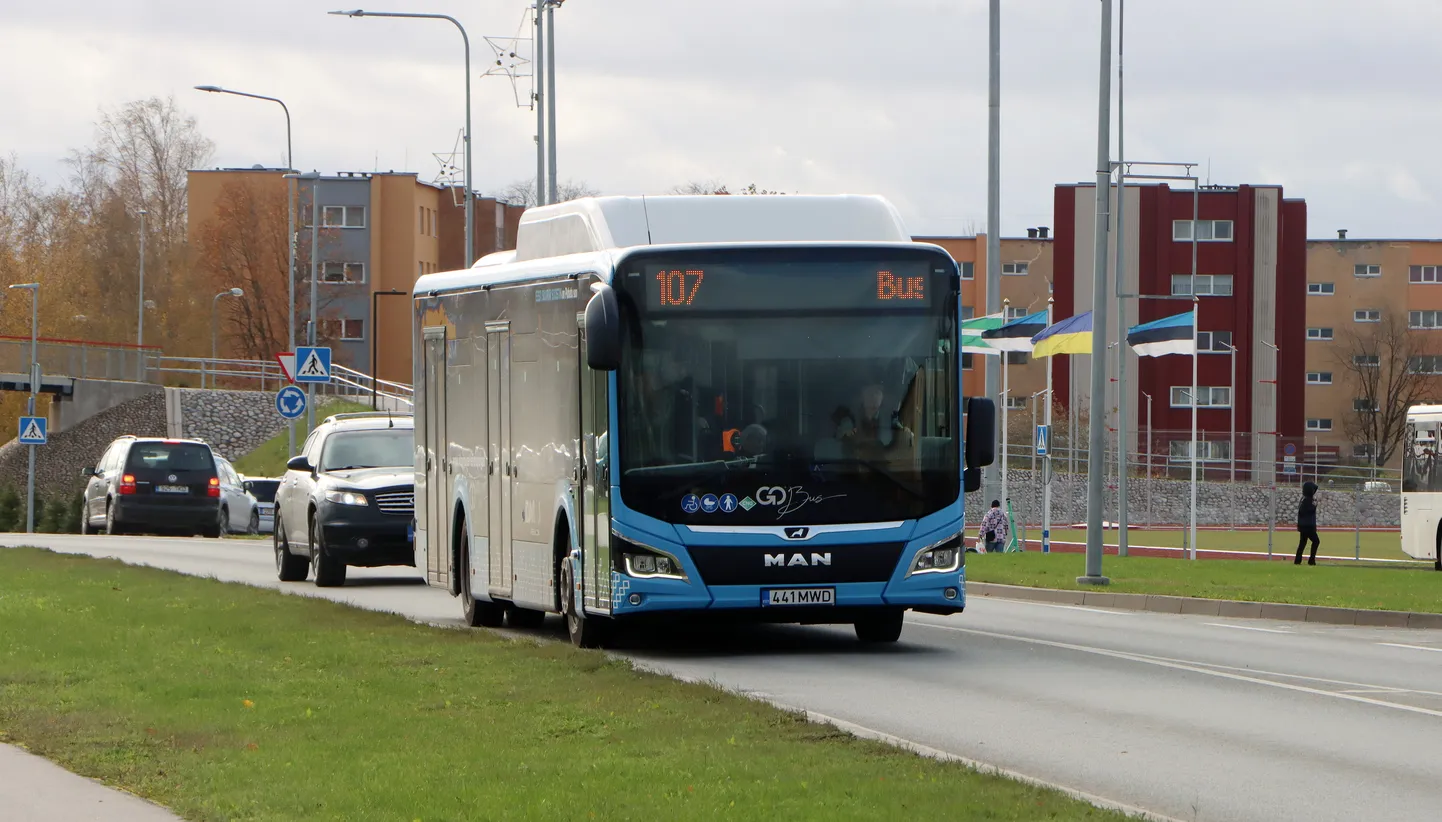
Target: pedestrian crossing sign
(34,431)
(1042,435)
(312,364)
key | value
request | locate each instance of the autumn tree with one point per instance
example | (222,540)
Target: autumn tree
(523,192)
(1388,369)
(244,245)
(717,187)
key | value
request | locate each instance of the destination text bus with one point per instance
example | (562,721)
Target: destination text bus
(744,406)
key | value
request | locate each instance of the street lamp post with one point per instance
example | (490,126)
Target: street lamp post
(375,346)
(34,289)
(466,41)
(140,319)
(554,191)
(290,234)
(314,178)
(215,329)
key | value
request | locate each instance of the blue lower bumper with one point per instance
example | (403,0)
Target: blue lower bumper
(928,592)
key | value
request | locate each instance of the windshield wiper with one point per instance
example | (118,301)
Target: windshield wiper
(877,469)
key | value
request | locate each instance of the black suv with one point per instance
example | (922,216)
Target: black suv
(152,485)
(347,499)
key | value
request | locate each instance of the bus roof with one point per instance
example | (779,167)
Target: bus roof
(1424,413)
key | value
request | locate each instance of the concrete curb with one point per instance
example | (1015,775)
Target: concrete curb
(1210,607)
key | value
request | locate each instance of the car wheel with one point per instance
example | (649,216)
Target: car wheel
(84,519)
(288,566)
(585,632)
(222,523)
(254,527)
(112,527)
(477,614)
(879,628)
(329,573)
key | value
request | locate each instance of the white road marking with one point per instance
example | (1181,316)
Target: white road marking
(1196,667)
(1247,628)
(1074,607)
(1413,647)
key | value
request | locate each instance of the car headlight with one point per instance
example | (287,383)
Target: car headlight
(346,497)
(943,557)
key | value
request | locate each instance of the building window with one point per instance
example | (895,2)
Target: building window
(1366,270)
(1319,424)
(1362,405)
(1208,285)
(1425,365)
(1319,378)
(1320,333)
(1208,231)
(1214,342)
(968,312)
(1015,314)
(1017,357)
(343,217)
(966,361)
(1362,452)
(1367,360)
(1367,315)
(1016,403)
(1207,396)
(1210,451)
(1321,289)
(345,329)
(347,273)
(968,271)
(1424,319)
(1015,269)
(1425,274)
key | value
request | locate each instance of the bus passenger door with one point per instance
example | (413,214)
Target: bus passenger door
(436,519)
(501,468)
(595,498)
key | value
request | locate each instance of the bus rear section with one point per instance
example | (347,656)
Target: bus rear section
(786,434)
(1421,531)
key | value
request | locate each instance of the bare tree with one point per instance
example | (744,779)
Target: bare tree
(717,187)
(244,245)
(1388,369)
(523,192)
(148,147)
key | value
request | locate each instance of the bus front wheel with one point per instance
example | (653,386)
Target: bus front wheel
(878,628)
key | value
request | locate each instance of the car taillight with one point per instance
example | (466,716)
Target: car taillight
(127,484)
(214,490)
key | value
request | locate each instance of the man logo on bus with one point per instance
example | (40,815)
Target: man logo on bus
(780,560)
(771,495)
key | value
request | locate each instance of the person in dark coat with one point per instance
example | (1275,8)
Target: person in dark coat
(1307,523)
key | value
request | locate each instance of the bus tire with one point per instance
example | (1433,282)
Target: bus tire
(585,632)
(477,614)
(524,617)
(881,627)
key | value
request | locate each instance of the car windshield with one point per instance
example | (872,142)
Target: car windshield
(170,456)
(264,490)
(376,448)
(816,386)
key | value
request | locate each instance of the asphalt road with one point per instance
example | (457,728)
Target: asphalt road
(1189,717)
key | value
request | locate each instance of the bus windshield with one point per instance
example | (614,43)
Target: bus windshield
(795,386)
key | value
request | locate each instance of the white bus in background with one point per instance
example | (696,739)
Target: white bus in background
(1422,485)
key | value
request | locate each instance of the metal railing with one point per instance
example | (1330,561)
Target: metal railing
(78,359)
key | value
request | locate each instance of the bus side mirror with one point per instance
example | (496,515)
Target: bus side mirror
(603,329)
(971,480)
(980,432)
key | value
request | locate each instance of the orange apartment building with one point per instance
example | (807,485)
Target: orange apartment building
(380,232)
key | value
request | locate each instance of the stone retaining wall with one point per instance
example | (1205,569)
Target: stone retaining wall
(58,463)
(233,422)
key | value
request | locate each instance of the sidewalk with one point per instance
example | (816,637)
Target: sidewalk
(34,789)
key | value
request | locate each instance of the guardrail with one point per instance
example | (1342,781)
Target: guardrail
(79,359)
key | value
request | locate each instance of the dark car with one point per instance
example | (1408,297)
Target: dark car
(155,486)
(347,499)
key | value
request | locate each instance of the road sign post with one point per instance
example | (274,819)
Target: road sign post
(290,402)
(33,431)
(312,366)
(1043,434)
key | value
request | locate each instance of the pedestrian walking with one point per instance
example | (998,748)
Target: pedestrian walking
(1307,523)
(993,528)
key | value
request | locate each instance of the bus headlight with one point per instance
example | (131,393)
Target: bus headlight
(647,563)
(943,557)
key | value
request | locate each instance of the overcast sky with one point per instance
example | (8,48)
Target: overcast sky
(1336,101)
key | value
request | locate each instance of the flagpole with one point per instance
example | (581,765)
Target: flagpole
(1046,465)
(1005,402)
(1196,317)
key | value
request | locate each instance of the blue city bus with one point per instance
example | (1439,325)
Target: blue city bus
(730,407)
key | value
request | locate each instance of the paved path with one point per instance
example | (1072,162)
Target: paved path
(1198,718)
(33,789)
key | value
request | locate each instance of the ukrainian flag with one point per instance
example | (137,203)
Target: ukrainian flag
(1070,336)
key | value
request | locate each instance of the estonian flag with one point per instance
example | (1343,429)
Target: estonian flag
(1016,335)
(1072,335)
(1169,335)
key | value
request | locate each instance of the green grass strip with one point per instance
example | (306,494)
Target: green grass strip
(1341,543)
(1351,585)
(226,702)
(270,457)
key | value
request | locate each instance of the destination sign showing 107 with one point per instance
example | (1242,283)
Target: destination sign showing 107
(789,286)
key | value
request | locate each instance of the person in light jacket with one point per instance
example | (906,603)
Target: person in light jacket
(993,529)
(1307,523)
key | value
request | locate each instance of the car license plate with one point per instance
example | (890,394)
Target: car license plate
(798,596)
(172,489)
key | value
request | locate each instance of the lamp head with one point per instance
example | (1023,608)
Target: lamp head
(351,13)
(237,292)
(209,88)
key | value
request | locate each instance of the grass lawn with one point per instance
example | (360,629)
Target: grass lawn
(1350,585)
(1375,544)
(269,459)
(225,702)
